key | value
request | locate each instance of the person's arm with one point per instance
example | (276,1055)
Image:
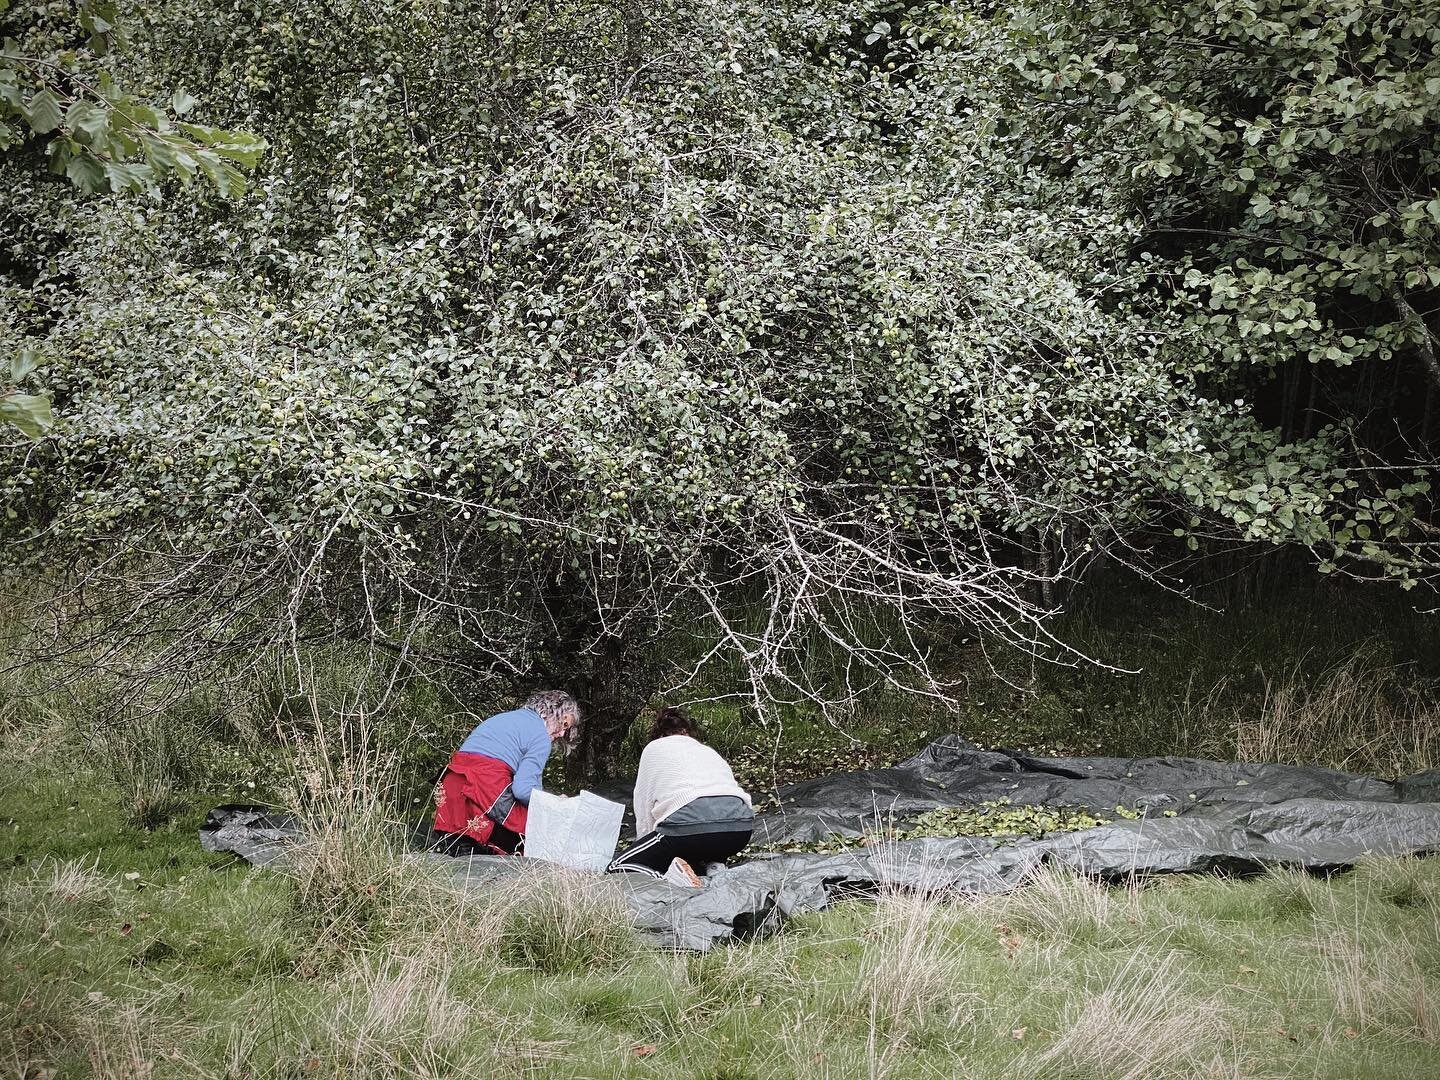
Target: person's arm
(532,764)
(645,795)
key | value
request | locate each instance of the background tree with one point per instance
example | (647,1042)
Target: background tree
(1278,163)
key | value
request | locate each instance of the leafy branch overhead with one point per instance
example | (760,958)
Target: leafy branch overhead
(103,138)
(28,412)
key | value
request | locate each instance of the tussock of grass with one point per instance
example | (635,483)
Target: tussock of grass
(1373,952)
(910,975)
(1378,987)
(1291,895)
(726,979)
(1406,883)
(396,1015)
(1060,906)
(1141,1021)
(351,869)
(564,922)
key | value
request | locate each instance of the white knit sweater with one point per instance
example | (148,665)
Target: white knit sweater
(674,771)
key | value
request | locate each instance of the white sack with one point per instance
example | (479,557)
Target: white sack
(580,832)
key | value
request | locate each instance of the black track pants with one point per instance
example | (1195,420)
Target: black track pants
(652,853)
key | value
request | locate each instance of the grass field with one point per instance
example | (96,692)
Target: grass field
(134,954)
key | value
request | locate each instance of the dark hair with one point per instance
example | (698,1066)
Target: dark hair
(672,720)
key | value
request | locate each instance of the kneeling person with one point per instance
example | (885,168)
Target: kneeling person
(687,804)
(483,799)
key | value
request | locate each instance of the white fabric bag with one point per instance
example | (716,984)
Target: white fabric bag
(579,832)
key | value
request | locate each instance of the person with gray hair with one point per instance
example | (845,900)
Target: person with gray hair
(483,797)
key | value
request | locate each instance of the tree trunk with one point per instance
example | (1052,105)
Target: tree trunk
(1425,416)
(1289,391)
(1309,428)
(1036,558)
(619,682)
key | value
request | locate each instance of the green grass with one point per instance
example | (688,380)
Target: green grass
(1334,676)
(201,967)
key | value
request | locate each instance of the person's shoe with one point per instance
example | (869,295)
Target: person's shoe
(682,874)
(711,869)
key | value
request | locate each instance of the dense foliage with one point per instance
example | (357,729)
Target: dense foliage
(59,99)
(1281,162)
(545,335)
(59,104)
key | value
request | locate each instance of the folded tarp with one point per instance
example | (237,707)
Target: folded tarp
(1227,816)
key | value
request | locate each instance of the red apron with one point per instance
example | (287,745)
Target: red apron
(474,796)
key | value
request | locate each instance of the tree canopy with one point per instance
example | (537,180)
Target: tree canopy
(546,335)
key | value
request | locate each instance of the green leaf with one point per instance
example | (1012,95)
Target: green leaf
(129,176)
(182,102)
(22,364)
(86,172)
(43,112)
(28,412)
(158,152)
(241,147)
(228,180)
(90,121)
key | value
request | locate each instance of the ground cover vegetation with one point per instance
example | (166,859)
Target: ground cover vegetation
(136,954)
(544,342)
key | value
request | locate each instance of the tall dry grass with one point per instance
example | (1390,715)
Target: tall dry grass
(1144,1018)
(1355,714)
(349,867)
(1358,714)
(139,1038)
(52,892)
(1145,1021)
(910,973)
(1378,986)
(1377,974)
(1058,905)
(394,1016)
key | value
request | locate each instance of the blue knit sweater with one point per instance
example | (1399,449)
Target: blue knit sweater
(520,740)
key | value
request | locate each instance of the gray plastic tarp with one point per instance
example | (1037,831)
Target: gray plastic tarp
(1228,817)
